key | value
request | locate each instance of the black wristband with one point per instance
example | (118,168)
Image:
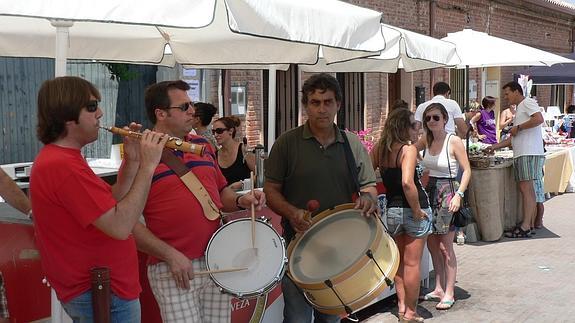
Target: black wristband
(238,203)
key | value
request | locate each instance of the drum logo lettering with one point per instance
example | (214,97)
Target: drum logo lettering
(275,243)
(241,303)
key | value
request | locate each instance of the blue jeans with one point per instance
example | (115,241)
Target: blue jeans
(297,309)
(123,311)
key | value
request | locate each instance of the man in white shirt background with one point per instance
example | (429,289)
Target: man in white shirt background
(528,154)
(456,124)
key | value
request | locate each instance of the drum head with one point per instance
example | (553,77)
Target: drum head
(331,246)
(231,247)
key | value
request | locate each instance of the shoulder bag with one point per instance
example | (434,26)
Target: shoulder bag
(464,215)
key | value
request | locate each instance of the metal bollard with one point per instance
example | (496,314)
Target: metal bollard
(261,155)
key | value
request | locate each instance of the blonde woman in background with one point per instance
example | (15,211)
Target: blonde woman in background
(408,215)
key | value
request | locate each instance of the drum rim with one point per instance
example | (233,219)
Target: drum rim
(342,276)
(278,275)
(355,304)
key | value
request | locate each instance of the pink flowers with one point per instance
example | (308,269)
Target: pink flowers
(365,137)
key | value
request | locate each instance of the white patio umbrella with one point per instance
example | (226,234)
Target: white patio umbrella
(405,49)
(204,32)
(478,49)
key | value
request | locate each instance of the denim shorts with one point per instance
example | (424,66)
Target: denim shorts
(539,190)
(400,220)
(123,311)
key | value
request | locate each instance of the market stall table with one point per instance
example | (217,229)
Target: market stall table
(559,176)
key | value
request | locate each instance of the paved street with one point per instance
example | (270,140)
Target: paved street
(511,280)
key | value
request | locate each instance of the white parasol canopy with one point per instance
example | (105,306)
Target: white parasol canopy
(206,32)
(405,49)
(477,49)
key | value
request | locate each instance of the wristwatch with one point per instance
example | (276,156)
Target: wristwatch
(460,193)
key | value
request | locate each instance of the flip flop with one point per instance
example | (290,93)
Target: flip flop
(430,297)
(444,305)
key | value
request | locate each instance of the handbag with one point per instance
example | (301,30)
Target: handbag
(464,215)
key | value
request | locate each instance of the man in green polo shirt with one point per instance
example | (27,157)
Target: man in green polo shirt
(309,163)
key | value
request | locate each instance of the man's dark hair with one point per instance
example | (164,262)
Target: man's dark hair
(322,82)
(571,108)
(441,88)
(513,86)
(156,96)
(60,100)
(204,111)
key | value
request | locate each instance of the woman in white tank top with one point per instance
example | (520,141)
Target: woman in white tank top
(444,155)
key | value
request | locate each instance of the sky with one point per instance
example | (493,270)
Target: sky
(570,1)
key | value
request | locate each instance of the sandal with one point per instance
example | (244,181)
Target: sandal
(430,297)
(518,232)
(445,305)
(415,319)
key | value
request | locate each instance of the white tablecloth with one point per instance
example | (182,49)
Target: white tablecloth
(571,151)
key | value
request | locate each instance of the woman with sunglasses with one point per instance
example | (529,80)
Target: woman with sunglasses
(443,156)
(408,214)
(233,159)
(203,114)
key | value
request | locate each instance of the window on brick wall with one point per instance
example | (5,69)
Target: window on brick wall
(351,112)
(457,84)
(238,99)
(557,96)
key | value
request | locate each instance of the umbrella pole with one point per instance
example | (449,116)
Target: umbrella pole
(466,94)
(466,102)
(271,106)
(62,38)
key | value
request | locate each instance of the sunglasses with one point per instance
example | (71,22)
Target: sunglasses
(184,106)
(435,118)
(219,131)
(413,125)
(92,106)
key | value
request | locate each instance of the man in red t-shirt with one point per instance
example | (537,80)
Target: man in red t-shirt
(177,232)
(80,221)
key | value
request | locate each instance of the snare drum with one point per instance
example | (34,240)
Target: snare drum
(344,261)
(231,247)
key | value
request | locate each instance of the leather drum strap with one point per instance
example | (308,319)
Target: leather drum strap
(211,211)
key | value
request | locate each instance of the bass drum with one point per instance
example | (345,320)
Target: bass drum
(344,261)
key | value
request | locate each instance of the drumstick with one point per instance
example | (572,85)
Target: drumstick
(218,271)
(207,272)
(253,213)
